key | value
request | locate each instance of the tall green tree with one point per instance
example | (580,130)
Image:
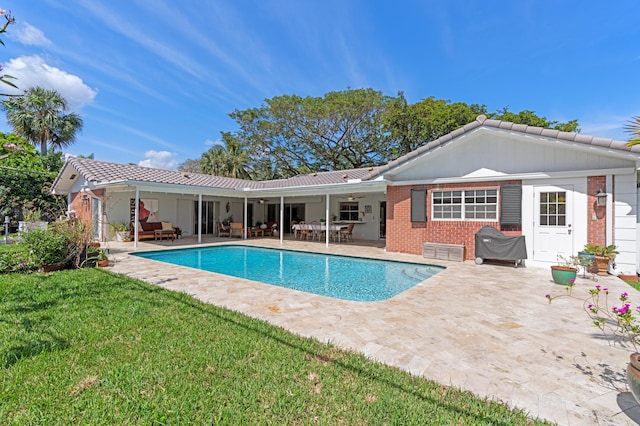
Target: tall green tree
(531,119)
(289,135)
(633,128)
(413,125)
(341,130)
(39,117)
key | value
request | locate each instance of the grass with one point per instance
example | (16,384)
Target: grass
(91,347)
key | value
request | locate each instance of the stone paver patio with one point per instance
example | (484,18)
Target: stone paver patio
(485,328)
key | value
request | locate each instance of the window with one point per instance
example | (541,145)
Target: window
(471,204)
(348,211)
(553,210)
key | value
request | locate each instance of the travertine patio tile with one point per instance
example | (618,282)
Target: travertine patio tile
(485,328)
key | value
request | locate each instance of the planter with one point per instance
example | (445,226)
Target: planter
(53,267)
(563,274)
(590,260)
(628,277)
(123,236)
(24,227)
(103,263)
(603,265)
(633,375)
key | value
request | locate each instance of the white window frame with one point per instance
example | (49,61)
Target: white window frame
(458,211)
(346,211)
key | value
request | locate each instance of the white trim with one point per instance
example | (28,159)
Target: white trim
(519,176)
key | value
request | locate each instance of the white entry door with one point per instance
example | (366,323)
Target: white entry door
(553,217)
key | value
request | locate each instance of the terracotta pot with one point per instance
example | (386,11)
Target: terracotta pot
(633,375)
(103,263)
(603,265)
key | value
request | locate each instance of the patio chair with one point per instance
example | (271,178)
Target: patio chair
(237,229)
(305,232)
(223,231)
(346,234)
(316,231)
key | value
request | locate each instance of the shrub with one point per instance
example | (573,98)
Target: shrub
(63,242)
(47,247)
(15,258)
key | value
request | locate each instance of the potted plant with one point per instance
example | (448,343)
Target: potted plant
(95,257)
(566,270)
(602,255)
(103,259)
(121,230)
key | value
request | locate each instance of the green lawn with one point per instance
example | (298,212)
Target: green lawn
(91,347)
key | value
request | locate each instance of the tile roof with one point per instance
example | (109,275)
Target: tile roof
(483,121)
(102,172)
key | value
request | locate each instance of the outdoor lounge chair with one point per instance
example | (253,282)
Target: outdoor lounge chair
(237,230)
(223,231)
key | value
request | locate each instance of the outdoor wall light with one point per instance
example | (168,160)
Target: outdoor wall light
(601,198)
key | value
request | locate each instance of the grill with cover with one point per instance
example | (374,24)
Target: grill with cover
(493,244)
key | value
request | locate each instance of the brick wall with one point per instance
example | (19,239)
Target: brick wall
(407,237)
(596,216)
(83,205)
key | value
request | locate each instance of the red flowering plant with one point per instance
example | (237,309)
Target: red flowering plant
(617,322)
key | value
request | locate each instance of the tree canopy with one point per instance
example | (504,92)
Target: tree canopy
(39,116)
(633,128)
(26,177)
(354,128)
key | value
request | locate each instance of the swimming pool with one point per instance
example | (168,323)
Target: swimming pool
(340,277)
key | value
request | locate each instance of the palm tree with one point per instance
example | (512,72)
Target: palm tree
(38,116)
(633,127)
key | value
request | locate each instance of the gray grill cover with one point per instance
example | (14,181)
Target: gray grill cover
(493,244)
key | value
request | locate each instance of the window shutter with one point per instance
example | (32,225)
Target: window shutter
(511,205)
(418,205)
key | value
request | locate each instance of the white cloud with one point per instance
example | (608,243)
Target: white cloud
(32,71)
(30,35)
(217,142)
(159,160)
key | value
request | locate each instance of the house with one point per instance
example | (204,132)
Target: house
(560,190)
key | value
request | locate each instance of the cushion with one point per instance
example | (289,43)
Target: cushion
(140,229)
(149,226)
(167,226)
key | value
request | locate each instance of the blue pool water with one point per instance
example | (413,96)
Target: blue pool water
(340,277)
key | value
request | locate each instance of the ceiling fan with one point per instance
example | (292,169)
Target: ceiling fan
(262,201)
(351,197)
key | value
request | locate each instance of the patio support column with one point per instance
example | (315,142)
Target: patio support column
(609,211)
(281,218)
(244,226)
(199,218)
(136,218)
(326,221)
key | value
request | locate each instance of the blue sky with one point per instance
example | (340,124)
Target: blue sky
(155,80)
